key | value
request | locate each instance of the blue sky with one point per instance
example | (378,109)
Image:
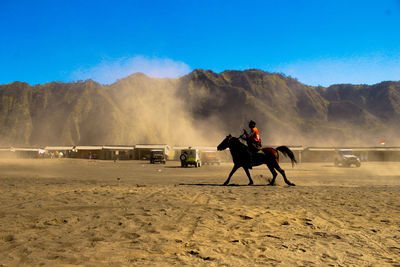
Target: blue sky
(317,42)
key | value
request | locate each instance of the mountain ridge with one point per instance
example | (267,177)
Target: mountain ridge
(198,108)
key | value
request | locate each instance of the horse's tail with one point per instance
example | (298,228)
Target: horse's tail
(288,153)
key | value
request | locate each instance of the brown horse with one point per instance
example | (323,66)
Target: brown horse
(270,157)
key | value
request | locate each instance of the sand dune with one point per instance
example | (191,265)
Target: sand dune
(96,213)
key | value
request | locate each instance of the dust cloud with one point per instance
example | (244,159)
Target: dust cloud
(156,115)
(145,107)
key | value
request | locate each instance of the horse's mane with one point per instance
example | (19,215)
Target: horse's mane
(239,144)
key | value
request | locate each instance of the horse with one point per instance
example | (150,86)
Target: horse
(270,157)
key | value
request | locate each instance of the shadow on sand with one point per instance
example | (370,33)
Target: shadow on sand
(178,167)
(223,185)
(333,166)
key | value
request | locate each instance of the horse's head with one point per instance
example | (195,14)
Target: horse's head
(225,143)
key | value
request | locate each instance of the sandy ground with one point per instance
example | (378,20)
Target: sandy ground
(65,212)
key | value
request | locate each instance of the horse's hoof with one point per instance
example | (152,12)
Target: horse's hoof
(270,184)
(225,184)
(250,183)
(291,184)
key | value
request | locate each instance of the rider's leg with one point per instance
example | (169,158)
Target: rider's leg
(249,158)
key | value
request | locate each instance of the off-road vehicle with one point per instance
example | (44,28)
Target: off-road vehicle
(346,158)
(210,157)
(190,157)
(157,156)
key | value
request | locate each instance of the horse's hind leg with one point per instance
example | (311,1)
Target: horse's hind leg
(274,174)
(282,172)
(234,169)
(248,175)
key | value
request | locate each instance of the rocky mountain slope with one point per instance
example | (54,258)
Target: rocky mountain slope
(198,109)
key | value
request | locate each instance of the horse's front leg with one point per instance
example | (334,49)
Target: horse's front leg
(234,169)
(248,175)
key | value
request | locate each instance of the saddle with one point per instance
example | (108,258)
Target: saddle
(269,149)
(266,150)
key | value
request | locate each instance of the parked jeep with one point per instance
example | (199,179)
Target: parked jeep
(190,157)
(157,156)
(346,158)
(210,157)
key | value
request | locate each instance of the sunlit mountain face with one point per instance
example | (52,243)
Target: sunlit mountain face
(198,109)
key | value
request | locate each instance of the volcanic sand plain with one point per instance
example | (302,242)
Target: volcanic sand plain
(74,212)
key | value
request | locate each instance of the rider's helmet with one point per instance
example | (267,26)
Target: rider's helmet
(252,124)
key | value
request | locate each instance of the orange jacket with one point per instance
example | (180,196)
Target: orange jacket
(255,135)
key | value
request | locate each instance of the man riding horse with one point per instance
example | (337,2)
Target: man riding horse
(253,141)
(269,156)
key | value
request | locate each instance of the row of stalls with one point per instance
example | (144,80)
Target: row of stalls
(106,152)
(22,153)
(87,152)
(143,151)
